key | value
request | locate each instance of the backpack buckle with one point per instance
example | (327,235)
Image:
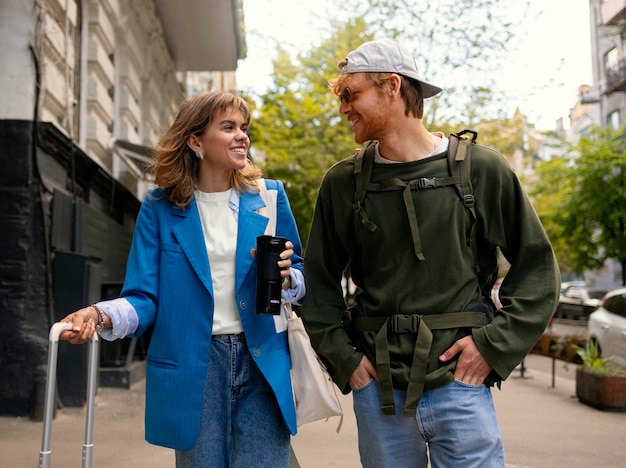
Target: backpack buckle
(468,200)
(426,182)
(404,323)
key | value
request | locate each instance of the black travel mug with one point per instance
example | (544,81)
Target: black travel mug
(268,279)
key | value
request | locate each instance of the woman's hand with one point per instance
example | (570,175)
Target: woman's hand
(83,325)
(284,264)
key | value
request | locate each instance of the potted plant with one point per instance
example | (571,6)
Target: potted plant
(599,383)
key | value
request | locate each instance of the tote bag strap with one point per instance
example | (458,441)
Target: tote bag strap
(269,210)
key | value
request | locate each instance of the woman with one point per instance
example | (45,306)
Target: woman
(218,387)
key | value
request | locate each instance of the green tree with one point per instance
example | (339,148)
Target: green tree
(458,44)
(297,128)
(298,132)
(506,134)
(588,192)
(548,195)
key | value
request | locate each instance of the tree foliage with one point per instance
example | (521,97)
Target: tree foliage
(586,215)
(507,135)
(298,132)
(458,45)
(298,128)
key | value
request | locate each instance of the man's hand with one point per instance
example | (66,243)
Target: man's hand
(471,367)
(362,374)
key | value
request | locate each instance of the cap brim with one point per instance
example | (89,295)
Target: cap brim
(428,89)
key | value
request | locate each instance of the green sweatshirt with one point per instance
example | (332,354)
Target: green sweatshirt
(392,280)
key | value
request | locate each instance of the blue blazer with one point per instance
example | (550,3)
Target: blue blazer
(168,282)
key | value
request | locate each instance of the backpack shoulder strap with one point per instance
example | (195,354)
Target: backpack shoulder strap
(460,164)
(363,166)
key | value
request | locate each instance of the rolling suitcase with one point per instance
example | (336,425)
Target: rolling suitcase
(44,454)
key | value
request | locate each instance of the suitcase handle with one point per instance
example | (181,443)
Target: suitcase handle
(53,346)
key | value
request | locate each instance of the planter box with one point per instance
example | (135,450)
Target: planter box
(602,391)
(546,343)
(560,347)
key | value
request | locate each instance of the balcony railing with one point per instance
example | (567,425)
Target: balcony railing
(616,78)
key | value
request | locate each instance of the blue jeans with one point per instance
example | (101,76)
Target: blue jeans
(456,425)
(241,424)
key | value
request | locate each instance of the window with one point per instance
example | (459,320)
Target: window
(613,119)
(611,59)
(616,304)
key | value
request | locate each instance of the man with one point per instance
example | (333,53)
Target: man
(422,347)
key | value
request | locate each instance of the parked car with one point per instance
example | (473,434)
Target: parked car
(578,301)
(569,284)
(607,326)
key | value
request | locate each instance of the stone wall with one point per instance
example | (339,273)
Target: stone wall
(24,308)
(66,228)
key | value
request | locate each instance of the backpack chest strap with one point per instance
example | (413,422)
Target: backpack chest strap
(406,187)
(415,184)
(459,167)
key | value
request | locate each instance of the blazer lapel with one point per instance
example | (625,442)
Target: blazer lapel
(251,224)
(191,239)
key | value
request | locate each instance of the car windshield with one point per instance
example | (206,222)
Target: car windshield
(596,294)
(616,304)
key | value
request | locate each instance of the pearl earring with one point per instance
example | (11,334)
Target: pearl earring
(200,153)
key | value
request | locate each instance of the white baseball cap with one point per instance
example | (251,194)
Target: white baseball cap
(386,56)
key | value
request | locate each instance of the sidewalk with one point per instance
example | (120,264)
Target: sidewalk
(545,427)
(118,435)
(542,427)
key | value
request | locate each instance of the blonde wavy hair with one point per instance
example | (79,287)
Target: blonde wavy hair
(410,90)
(175,166)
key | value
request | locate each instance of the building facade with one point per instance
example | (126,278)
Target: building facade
(87,86)
(608,57)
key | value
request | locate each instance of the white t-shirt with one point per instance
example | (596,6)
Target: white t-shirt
(440,148)
(220,235)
